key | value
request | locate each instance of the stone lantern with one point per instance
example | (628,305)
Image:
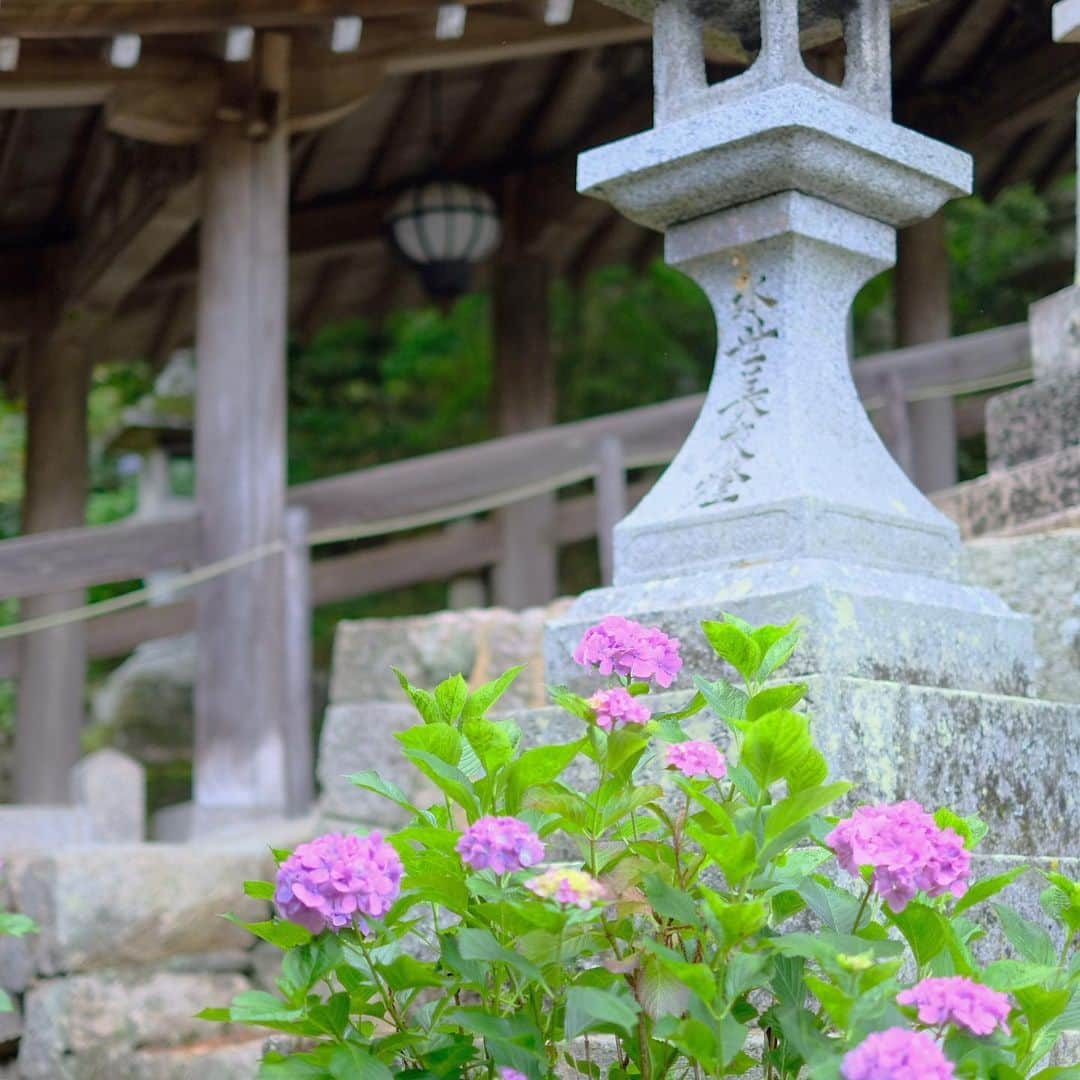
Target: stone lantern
(780,194)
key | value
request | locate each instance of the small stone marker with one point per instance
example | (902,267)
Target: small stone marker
(109,790)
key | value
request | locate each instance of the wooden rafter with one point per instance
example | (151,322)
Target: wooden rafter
(9,148)
(390,133)
(978,23)
(475,116)
(104,18)
(1033,152)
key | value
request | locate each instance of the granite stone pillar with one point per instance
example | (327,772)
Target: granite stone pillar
(780,195)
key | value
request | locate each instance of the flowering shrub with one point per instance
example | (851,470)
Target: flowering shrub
(638,903)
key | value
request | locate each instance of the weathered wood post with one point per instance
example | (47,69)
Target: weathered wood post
(527,572)
(922,315)
(242,701)
(52,663)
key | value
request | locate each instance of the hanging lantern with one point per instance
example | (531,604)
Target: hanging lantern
(442,228)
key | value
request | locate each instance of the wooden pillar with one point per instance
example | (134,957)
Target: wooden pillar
(527,573)
(242,694)
(922,315)
(52,663)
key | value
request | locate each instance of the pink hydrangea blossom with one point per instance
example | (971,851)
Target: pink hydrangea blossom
(897,1054)
(567,887)
(958,1000)
(502,844)
(619,646)
(618,706)
(335,880)
(506,1073)
(908,850)
(696,758)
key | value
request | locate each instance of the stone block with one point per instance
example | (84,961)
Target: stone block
(359,737)
(1039,575)
(940,747)
(225,1058)
(1033,421)
(479,644)
(85,1027)
(427,649)
(1055,334)
(1004,500)
(109,789)
(136,904)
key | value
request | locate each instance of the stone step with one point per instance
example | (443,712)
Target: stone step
(1033,421)
(129,904)
(1014,497)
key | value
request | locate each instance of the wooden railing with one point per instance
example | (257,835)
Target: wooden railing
(442,487)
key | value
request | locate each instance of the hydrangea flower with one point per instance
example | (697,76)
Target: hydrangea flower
(335,880)
(619,646)
(897,1054)
(908,850)
(696,758)
(567,887)
(958,1000)
(618,706)
(506,1073)
(502,844)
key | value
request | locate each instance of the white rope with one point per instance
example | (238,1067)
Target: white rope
(325,536)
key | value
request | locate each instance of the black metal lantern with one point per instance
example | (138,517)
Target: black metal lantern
(442,228)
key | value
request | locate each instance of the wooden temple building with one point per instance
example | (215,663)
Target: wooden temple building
(221,173)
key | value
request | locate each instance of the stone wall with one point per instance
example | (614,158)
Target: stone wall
(367,704)
(132,946)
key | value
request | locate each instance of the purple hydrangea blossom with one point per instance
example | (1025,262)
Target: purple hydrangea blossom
(502,844)
(619,646)
(958,1000)
(335,880)
(897,1054)
(567,887)
(696,758)
(908,850)
(506,1073)
(618,706)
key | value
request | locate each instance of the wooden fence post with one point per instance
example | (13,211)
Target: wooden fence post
(299,764)
(610,501)
(900,442)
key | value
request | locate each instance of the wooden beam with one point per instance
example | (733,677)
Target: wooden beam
(105,18)
(75,558)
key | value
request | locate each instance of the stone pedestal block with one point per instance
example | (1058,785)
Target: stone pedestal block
(940,747)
